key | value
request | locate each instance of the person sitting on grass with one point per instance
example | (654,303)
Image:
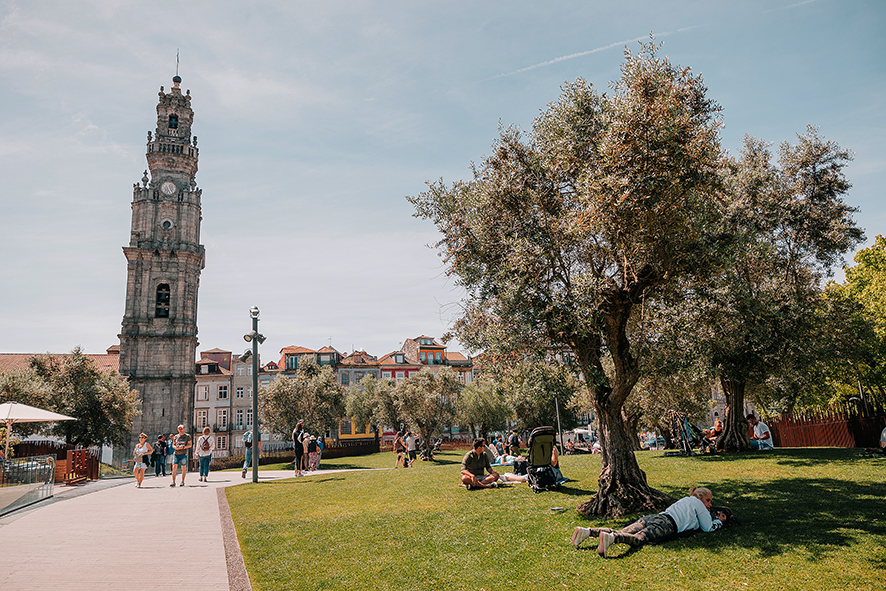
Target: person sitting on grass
(689,513)
(474,466)
(762,438)
(709,441)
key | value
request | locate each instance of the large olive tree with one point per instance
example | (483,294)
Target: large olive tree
(564,232)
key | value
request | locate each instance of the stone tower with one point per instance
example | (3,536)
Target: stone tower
(164,258)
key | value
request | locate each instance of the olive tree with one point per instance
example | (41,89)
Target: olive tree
(565,231)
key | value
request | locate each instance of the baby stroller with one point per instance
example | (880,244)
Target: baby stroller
(540,474)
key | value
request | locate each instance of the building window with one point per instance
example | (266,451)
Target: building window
(162,309)
(239,392)
(222,416)
(173,122)
(221,442)
(222,392)
(423,356)
(345,428)
(291,362)
(386,374)
(241,370)
(345,378)
(249,369)
(203,393)
(238,419)
(439,357)
(249,418)
(249,391)
(398,358)
(461,377)
(202,418)
(401,376)
(358,376)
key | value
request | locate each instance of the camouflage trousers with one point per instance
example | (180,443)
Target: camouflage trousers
(647,530)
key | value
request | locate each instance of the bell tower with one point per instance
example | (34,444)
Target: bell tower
(158,340)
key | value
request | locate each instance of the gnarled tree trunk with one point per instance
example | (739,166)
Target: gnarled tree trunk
(735,425)
(622,484)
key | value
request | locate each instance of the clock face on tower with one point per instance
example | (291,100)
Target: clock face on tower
(168,188)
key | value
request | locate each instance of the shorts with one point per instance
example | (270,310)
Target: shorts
(141,465)
(412,454)
(180,460)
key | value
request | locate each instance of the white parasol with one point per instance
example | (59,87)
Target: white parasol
(16,412)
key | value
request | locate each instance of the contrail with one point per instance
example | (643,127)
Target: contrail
(579,54)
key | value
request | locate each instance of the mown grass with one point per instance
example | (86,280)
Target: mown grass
(809,519)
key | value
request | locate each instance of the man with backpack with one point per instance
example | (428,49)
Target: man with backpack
(247,443)
(205,445)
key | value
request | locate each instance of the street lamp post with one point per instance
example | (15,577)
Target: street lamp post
(255,337)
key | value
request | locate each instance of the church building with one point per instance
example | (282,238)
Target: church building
(158,339)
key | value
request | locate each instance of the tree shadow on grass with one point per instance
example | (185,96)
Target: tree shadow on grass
(819,516)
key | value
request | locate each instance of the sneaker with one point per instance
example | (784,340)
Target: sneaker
(469,487)
(606,541)
(243,475)
(493,484)
(173,484)
(580,535)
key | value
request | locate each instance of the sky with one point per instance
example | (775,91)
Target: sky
(315,121)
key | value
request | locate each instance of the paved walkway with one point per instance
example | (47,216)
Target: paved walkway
(105,534)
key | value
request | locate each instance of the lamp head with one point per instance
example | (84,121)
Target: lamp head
(246,355)
(253,311)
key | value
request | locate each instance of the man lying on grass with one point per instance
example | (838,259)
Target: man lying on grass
(475,464)
(689,513)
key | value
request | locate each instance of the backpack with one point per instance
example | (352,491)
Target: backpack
(521,466)
(541,478)
(205,445)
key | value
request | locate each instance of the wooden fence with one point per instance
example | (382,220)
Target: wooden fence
(833,427)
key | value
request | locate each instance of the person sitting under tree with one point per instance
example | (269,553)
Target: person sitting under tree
(689,513)
(762,438)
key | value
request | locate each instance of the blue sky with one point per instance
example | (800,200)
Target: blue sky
(316,119)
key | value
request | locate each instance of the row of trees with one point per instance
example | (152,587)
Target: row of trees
(103,403)
(428,402)
(619,229)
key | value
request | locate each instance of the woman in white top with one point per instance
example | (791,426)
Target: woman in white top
(143,448)
(205,446)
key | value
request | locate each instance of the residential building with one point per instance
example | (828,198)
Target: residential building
(213,401)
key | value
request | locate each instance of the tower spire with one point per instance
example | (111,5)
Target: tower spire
(176,62)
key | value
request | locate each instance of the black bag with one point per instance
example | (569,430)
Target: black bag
(541,478)
(520,466)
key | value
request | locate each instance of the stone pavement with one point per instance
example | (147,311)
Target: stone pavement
(105,535)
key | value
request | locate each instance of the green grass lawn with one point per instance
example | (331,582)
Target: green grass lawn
(809,519)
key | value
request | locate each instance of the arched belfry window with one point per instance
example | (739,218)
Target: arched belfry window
(173,122)
(162,301)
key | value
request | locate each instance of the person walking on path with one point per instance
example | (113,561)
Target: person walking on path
(298,435)
(247,443)
(204,449)
(170,451)
(319,451)
(140,453)
(160,456)
(689,513)
(180,444)
(399,449)
(411,441)
(312,453)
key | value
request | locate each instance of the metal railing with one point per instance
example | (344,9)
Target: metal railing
(25,481)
